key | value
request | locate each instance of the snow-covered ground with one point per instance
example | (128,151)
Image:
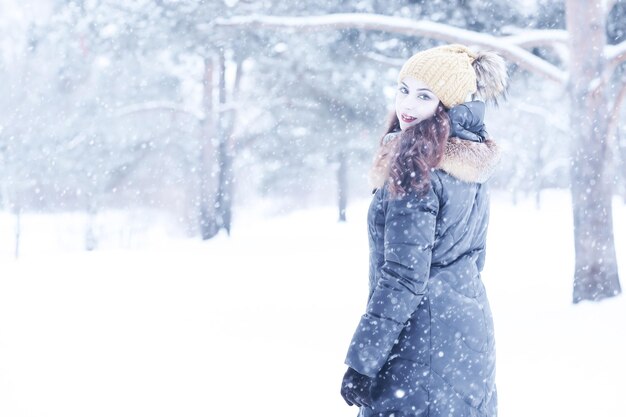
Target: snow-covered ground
(259,323)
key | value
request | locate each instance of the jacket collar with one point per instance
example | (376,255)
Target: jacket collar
(463,159)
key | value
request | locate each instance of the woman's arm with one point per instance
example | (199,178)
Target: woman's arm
(409,236)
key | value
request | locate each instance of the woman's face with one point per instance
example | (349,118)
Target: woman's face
(414,102)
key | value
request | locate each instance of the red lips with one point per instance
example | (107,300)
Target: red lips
(407,119)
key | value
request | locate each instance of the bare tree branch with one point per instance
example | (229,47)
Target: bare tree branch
(157,105)
(382,59)
(140,151)
(557,40)
(614,110)
(394,24)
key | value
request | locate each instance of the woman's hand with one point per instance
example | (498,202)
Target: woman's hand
(355,388)
(466,121)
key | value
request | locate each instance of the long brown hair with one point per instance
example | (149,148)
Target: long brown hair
(405,162)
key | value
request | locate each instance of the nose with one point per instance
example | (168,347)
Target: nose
(410,104)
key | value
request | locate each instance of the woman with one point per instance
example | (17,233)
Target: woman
(425,346)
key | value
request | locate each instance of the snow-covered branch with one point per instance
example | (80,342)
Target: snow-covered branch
(608,5)
(533,38)
(157,105)
(548,117)
(394,24)
(615,54)
(392,62)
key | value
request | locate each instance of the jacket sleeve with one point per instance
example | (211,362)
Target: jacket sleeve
(408,240)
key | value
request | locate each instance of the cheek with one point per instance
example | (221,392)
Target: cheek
(398,102)
(430,109)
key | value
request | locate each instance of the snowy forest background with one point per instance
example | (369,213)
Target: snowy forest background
(194,110)
(168,167)
(105,104)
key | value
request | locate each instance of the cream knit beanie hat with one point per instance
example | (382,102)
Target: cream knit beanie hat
(453,72)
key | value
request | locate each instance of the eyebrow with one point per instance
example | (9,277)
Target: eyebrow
(419,89)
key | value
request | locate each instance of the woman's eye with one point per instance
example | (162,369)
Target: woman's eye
(404,90)
(424,96)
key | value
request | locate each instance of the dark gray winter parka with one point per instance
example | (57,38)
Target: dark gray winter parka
(427,335)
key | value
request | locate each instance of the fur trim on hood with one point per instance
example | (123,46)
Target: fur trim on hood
(470,161)
(463,159)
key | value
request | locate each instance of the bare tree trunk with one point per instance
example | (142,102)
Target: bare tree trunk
(91,241)
(208,228)
(621,149)
(342,183)
(595,275)
(223,198)
(18,229)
